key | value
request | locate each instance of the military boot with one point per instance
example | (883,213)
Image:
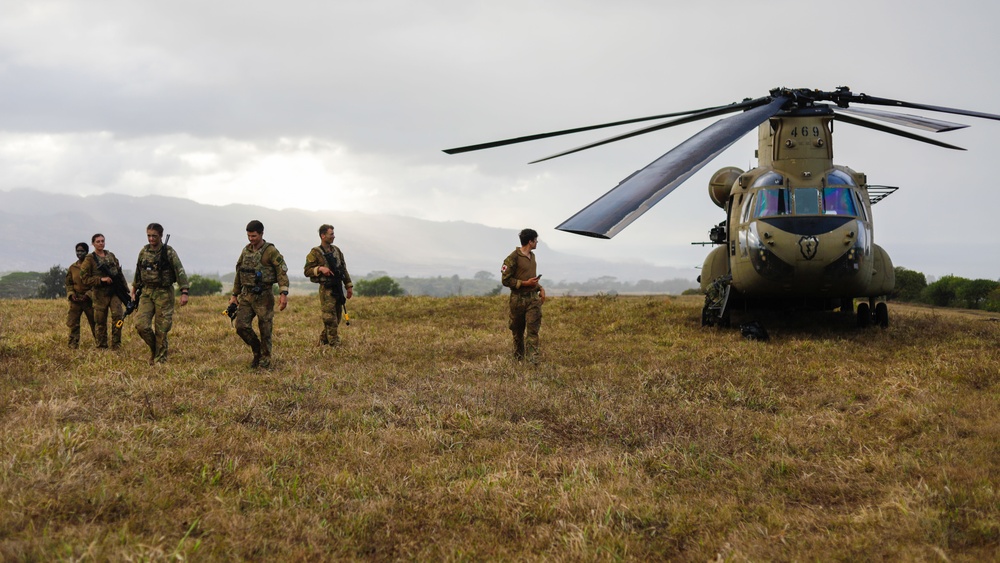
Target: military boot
(149,338)
(161,348)
(256,356)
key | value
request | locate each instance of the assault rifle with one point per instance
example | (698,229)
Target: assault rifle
(119,288)
(336,282)
(130,307)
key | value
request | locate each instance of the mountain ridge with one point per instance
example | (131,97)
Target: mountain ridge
(41,229)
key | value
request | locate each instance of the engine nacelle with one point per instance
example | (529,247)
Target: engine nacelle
(722,183)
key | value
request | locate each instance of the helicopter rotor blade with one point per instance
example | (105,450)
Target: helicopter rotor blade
(866,99)
(615,210)
(537,136)
(886,129)
(712,112)
(704,113)
(904,119)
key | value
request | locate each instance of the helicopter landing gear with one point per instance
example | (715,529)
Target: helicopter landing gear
(716,310)
(882,314)
(864,315)
(877,313)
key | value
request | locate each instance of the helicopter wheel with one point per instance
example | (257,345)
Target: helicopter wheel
(864,315)
(882,315)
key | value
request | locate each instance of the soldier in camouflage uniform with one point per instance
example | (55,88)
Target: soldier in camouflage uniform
(325,265)
(519,273)
(258,268)
(100,270)
(156,270)
(79,299)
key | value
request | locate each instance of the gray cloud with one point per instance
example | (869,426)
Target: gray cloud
(346,105)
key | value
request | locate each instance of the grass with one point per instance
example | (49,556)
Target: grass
(640,436)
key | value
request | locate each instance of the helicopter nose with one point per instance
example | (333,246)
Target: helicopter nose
(807,226)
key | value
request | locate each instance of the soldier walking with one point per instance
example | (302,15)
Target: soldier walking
(156,271)
(79,298)
(325,265)
(519,273)
(102,271)
(258,268)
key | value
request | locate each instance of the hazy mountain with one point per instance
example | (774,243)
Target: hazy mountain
(39,230)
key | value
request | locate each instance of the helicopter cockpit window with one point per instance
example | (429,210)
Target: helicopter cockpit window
(838,201)
(807,201)
(770,202)
(769,179)
(839,178)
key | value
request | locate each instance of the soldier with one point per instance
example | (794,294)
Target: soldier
(156,270)
(258,268)
(101,271)
(79,299)
(526,296)
(325,265)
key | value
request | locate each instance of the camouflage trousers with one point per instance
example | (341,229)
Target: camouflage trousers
(155,304)
(261,306)
(77,309)
(104,303)
(332,313)
(525,317)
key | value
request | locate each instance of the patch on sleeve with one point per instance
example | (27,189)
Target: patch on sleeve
(503,268)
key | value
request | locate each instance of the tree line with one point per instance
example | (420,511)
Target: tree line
(949,291)
(911,286)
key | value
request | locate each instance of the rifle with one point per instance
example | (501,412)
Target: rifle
(119,288)
(336,282)
(130,307)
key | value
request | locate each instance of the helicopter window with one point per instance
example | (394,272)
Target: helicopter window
(861,206)
(748,208)
(839,178)
(807,201)
(769,179)
(838,201)
(772,201)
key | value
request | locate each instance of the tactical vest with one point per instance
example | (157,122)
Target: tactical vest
(155,269)
(251,263)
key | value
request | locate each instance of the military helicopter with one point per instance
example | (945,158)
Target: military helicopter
(798,230)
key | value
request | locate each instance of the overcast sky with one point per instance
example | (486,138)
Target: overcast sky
(346,105)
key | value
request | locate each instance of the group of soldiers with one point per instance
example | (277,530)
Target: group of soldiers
(96,287)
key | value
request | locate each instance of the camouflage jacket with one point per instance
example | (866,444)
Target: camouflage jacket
(266,260)
(74,281)
(90,269)
(516,268)
(316,258)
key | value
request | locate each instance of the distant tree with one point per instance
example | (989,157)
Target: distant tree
(204,286)
(383,286)
(53,285)
(974,293)
(909,284)
(496,290)
(692,291)
(944,292)
(483,275)
(993,301)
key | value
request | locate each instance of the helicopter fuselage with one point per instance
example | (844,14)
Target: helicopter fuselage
(799,228)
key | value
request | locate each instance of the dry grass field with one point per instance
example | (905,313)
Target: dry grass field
(640,436)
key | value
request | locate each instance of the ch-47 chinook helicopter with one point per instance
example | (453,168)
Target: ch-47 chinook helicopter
(798,228)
